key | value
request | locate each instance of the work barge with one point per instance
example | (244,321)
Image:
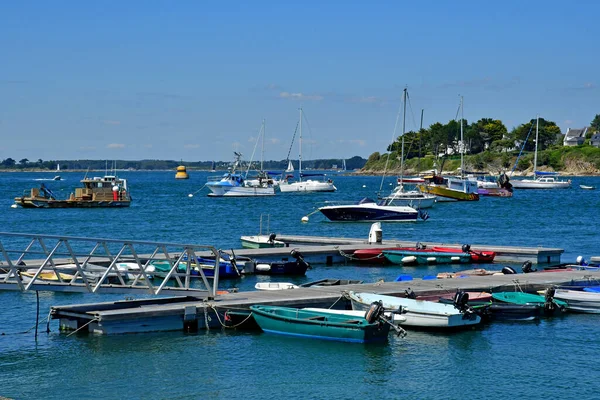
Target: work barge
(181,305)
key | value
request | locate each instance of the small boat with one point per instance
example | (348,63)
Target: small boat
(549,302)
(372,256)
(182,173)
(57,177)
(474,297)
(320,325)
(47,276)
(367,210)
(580,301)
(234,184)
(275,286)
(331,282)
(422,313)
(425,256)
(471,272)
(106,191)
(476,256)
(261,241)
(297,267)
(585,187)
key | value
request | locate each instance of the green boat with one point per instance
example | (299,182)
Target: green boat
(528,298)
(319,325)
(425,256)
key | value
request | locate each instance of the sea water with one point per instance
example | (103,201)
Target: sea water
(538,359)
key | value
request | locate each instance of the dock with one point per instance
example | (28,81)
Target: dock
(193,314)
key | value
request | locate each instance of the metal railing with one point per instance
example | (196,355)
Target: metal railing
(100,265)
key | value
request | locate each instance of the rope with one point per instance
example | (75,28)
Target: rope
(83,326)
(223,324)
(192,194)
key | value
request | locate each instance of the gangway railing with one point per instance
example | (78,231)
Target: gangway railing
(99,265)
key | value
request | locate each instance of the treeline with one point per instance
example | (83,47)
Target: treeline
(355,162)
(486,141)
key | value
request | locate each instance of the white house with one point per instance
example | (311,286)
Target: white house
(575,137)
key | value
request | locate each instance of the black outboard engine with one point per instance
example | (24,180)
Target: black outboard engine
(410,294)
(508,270)
(272,237)
(527,267)
(420,246)
(549,304)
(466,248)
(461,300)
(374,312)
(299,258)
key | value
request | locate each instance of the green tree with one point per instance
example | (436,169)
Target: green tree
(9,162)
(548,132)
(24,161)
(595,125)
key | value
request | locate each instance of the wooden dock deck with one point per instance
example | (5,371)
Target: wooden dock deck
(188,313)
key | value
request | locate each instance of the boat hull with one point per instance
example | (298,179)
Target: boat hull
(318,325)
(425,257)
(418,313)
(369,213)
(260,242)
(239,191)
(542,183)
(476,256)
(307,186)
(48,203)
(446,194)
(580,301)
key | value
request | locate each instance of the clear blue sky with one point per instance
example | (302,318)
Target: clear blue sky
(192,80)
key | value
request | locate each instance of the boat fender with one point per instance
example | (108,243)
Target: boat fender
(263,267)
(461,300)
(431,259)
(455,259)
(527,267)
(374,312)
(508,270)
(466,248)
(409,259)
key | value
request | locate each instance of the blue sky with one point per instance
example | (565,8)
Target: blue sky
(192,80)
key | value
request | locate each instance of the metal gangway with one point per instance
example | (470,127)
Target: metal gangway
(31,262)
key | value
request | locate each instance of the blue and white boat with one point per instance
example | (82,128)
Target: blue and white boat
(367,210)
(234,183)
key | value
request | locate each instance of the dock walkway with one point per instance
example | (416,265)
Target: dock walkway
(180,313)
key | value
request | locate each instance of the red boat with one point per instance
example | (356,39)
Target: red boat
(373,256)
(476,256)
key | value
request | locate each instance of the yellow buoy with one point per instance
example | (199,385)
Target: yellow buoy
(181,173)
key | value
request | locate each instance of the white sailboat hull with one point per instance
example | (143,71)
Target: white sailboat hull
(307,186)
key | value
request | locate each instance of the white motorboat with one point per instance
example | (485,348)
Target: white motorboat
(585,187)
(234,184)
(420,313)
(579,301)
(367,210)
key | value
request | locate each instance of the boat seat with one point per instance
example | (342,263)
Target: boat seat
(317,318)
(352,321)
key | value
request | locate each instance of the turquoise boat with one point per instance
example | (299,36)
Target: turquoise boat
(319,325)
(548,302)
(411,257)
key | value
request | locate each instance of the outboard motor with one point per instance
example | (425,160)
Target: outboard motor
(410,294)
(272,237)
(299,258)
(466,248)
(527,267)
(374,312)
(420,246)
(461,300)
(549,304)
(508,270)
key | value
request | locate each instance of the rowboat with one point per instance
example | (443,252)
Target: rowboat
(585,187)
(319,325)
(425,256)
(420,313)
(548,302)
(275,286)
(580,301)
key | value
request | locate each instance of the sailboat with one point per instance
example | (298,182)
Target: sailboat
(57,177)
(400,196)
(308,185)
(453,188)
(541,180)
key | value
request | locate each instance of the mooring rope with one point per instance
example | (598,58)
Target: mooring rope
(83,326)
(222,323)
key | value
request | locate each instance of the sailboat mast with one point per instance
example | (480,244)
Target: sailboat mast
(462,144)
(537,129)
(300,153)
(262,151)
(403,130)
(420,134)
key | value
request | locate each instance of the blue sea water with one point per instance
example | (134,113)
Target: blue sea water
(521,360)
